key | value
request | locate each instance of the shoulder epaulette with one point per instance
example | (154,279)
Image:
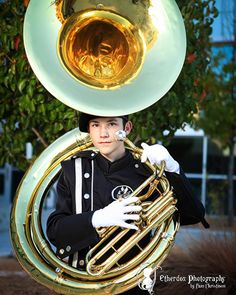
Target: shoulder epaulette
(90,154)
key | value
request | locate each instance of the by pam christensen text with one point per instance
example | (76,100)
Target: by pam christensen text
(197,282)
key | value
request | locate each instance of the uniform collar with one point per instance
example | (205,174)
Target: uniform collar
(110,167)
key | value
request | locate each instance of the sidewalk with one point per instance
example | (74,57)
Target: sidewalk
(5,240)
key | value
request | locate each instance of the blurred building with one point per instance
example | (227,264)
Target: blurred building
(206,165)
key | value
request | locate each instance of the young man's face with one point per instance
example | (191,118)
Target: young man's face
(102,132)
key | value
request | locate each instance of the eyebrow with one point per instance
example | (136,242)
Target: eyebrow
(111,120)
(108,121)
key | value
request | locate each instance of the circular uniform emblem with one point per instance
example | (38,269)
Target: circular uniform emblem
(121,191)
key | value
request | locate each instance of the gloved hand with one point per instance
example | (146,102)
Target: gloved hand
(157,153)
(116,214)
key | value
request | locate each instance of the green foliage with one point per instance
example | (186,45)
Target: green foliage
(30,114)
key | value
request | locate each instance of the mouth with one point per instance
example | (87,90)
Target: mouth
(104,142)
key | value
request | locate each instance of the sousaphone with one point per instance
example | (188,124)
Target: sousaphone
(106,58)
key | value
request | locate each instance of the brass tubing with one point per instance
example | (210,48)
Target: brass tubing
(111,243)
(157,205)
(105,231)
(129,243)
(167,203)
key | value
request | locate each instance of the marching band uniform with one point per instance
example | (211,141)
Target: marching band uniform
(100,182)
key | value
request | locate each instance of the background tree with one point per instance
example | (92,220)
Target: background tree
(30,114)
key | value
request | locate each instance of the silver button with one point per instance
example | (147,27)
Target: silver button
(100,6)
(86,196)
(136,165)
(68,248)
(61,251)
(81,262)
(93,154)
(86,175)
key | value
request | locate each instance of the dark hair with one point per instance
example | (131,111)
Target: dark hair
(125,119)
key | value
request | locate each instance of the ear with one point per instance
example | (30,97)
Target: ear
(128,127)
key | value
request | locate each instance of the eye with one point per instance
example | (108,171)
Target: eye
(112,124)
(94,125)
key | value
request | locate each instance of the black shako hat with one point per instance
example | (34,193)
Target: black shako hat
(85,118)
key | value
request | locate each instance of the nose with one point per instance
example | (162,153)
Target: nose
(104,132)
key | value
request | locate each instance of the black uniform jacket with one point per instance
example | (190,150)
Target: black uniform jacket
(101,179)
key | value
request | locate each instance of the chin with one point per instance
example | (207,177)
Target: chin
(105,151)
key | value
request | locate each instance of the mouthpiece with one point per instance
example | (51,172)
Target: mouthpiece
(120,135)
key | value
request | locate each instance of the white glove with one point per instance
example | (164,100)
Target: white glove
(157,153)
(116,214)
